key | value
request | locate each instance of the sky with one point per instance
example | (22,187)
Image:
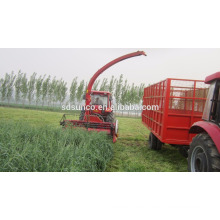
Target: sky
(158,65)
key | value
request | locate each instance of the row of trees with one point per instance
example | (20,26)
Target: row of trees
(44,90)
(123,92)
(19,89)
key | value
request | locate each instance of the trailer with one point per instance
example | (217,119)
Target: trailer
(170,107)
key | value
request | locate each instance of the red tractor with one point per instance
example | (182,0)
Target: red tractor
(97,113)
(204,152)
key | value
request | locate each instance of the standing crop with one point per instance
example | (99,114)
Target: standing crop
(47,149)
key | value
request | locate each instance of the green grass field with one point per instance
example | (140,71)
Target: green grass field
(131,152)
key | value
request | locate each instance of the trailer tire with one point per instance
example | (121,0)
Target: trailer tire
(159,144)
(203,155)
(184,150)
(154,142)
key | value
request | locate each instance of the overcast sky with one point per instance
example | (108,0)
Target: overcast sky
(68,63)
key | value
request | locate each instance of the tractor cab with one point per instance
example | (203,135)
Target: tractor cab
(100,106)
(212,108)
(101,98)
(101,103)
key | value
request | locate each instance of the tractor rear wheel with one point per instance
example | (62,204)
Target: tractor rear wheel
(154,142)
(203,155)
(110,117)
(82,114)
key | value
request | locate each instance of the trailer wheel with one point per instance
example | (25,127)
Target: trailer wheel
(154,142)
(184,150)
(203,155)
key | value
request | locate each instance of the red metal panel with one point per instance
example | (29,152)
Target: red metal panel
(212,77)
(165,110)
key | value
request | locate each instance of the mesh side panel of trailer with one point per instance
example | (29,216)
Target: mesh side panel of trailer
(187,96)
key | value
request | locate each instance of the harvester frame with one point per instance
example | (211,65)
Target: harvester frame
(93,121)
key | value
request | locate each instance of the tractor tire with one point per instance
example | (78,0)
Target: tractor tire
(154,142)
(82,114)
(203,155)
(110,117)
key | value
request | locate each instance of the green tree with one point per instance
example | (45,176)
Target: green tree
(63,91)
(18,86)
(10,85)
(132,95)
(118,88)
(3,87)
(124,94)
(104,85)
(45,88)
(57,91)
(85,88)
(111,86)
(24,88)
(38,87)
(52,91)
(73,90)
(95,85)
(141,92)
(80,91)
(31,87)
(1,82)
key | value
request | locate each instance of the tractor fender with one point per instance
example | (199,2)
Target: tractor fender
(212,129)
